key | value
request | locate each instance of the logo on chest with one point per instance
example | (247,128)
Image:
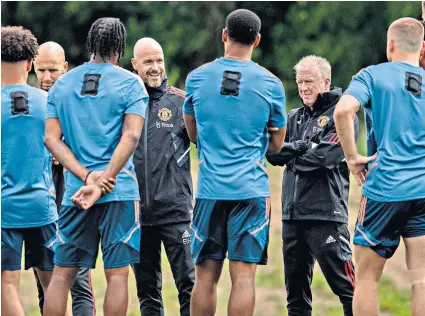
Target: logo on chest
(321,121)
(165,114)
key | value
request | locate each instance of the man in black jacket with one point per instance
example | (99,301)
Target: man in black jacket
(315,192)
(162,161)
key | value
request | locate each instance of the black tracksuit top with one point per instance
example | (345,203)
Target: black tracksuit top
(315,181)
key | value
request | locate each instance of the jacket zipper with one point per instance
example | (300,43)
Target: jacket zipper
(145,149)
(296,175)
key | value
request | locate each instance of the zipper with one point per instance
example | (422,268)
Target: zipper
(303,138)
(145,149)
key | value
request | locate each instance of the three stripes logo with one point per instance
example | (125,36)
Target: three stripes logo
(186,237)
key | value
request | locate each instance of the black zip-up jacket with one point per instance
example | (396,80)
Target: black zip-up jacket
(162,159)
(316,177)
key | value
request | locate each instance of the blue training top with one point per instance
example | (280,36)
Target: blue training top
(233,103)
(393,98)
(27,190)
(92,116)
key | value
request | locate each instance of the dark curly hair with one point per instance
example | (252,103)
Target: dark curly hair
(106,36)
(17,44)
(243,26)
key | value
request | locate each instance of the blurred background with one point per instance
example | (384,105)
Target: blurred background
(351,35)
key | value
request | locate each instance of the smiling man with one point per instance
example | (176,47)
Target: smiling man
(162,164)
(315,192)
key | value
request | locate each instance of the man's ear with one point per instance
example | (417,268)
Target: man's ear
(224,36)
(29,65)
(134,63)
(65,67)
(257,40)
(327,84)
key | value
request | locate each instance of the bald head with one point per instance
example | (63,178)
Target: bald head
(145,46)
(407,35)
(51,51)
(148,61)
(49,64)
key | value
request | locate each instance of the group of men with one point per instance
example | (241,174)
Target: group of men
(97,115)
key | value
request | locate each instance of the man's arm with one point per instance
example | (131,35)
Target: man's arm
(87,195)
(277,136)
(62,153)
(132,129)
(190,123)
(289,151)
(344,111)
(326,154)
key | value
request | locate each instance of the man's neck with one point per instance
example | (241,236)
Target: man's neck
(103,60)
(12,75)
(412,59)
(238,52)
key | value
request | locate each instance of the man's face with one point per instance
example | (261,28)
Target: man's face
(48,70)
(151,68)
(310,84)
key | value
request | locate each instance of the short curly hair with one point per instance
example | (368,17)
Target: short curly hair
(243,26)
(106,36)
(17,44)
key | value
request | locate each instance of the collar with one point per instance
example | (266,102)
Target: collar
(325,100)
(156,93)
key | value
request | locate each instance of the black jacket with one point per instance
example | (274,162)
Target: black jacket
(162,159)
(316,177)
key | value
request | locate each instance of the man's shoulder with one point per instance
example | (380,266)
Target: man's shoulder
(294,112)
(203,68)
(176,92)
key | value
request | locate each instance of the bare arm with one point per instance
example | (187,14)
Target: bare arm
(344,111)
(87,195)
(346,108)
(190,123)
(132,129)
(277,136)
(62,153)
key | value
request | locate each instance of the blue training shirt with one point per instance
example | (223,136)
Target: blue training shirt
(394,105)
(27,190)
(92,122)
(232,120)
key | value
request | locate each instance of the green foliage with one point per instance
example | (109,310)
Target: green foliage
(351,35)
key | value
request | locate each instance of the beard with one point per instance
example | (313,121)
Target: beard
(154,83)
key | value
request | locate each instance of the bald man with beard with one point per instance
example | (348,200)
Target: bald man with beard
(162,162)
(49,65)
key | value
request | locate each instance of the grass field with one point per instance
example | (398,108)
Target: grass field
(270,289)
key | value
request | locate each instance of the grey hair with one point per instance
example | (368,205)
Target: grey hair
(322,65)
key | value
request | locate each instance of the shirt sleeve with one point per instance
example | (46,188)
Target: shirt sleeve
(51,111)
(361,86)
(137,98)
(188,108)
(278,106)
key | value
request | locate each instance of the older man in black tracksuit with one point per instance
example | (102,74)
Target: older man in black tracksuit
(315,193)
(162,162)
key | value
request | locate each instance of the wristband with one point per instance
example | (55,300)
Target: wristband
(85,180)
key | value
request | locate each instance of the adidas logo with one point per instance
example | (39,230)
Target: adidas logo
(330,239)
(186,234)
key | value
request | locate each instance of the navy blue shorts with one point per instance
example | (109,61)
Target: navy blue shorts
(238,228)
(115,224)
(381,224)
(39,247)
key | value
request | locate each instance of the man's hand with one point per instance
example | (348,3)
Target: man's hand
(106,185)
(358,165)
(86,196)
